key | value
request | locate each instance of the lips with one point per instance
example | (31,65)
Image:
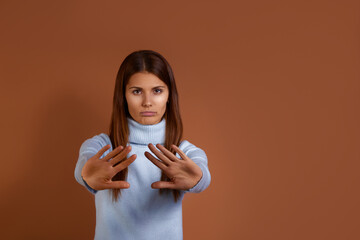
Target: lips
(148,114)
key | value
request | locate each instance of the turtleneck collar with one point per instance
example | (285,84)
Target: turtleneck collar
(145,134)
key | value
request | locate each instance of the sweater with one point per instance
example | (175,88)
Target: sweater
(140,212)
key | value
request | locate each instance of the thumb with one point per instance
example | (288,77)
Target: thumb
(163,184)
(118,184)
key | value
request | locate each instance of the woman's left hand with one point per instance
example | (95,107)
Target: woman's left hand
(182,172)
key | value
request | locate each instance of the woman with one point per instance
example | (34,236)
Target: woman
(138,194)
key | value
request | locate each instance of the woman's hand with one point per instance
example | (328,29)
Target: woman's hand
(183,173)
(98,172)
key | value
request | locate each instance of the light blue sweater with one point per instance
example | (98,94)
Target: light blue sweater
(140,212)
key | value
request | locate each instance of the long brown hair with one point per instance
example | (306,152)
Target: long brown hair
(152,62)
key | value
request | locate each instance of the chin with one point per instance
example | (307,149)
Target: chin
(149,120)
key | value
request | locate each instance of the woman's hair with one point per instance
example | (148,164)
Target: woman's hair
(151,62)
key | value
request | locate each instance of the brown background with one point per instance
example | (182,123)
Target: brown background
(269,89)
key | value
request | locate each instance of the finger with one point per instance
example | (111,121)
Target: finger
(102,150)
(159,154)
(155,161)
(117,184)
(178,150)
(113,153)
(120,156)
(124,164)
(167,153)
(163,184)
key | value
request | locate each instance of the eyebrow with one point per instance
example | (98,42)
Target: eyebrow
(152,88)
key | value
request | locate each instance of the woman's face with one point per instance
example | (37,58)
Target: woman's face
(146,96)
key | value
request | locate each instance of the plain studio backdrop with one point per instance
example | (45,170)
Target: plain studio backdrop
(269,89)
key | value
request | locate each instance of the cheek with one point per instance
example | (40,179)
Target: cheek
(131,102)
(161,101)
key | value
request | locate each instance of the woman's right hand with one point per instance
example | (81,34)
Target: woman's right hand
(98,172)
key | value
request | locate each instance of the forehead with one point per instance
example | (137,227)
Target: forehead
(145,80)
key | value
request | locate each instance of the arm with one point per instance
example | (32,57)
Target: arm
(199,157)
(87,150)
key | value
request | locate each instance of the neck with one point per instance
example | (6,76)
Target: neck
(145,134)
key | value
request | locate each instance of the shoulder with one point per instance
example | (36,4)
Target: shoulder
(185,144)
(191,150)
(95,143)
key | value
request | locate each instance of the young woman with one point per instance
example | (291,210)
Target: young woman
(140,171)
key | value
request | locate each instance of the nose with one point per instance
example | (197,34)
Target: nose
(146,101)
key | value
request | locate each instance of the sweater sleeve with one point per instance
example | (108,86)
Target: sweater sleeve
(87,150)
(199,157)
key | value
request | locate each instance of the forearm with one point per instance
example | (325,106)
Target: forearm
(204,181)
(77,173)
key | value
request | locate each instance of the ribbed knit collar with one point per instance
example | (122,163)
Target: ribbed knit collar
(145,134)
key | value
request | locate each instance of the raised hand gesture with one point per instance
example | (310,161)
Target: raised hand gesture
(98,172)
(182,172)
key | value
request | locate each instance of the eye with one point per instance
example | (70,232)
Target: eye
(158,91)
(136,92)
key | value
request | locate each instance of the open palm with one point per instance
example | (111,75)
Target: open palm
(182,172)
(98,172)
